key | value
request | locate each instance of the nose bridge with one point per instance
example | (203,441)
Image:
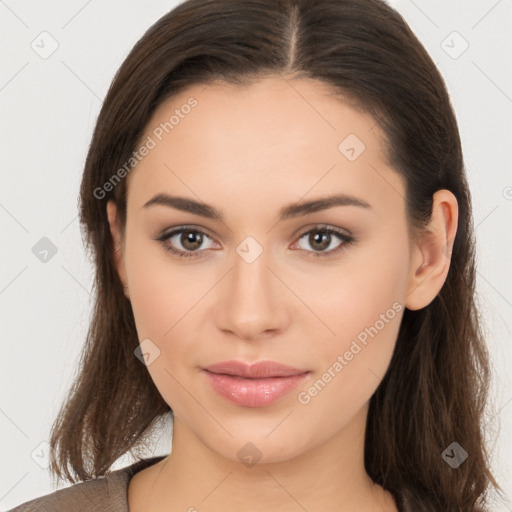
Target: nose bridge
(250,273)
(249,304)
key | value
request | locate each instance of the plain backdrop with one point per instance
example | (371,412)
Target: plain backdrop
(58,59)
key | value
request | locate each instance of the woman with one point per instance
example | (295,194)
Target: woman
(276,202)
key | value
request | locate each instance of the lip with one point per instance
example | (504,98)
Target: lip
(253,385)
(259,370)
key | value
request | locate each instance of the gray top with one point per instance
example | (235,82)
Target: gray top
(108,493)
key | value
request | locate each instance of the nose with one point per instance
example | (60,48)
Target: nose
(252,300)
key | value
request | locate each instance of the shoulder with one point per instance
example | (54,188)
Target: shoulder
(106,494)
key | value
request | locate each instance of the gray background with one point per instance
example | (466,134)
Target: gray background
(49,103)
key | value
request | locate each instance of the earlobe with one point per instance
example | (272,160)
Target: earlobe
(431,256)
(117,242)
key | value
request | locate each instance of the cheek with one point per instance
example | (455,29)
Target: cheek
(162,290)
(165,297)
(157,295)
(367,284)
(362,304)
(351,365)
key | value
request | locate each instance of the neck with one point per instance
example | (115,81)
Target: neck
(330,476)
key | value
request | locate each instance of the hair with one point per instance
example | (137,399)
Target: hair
(435,390)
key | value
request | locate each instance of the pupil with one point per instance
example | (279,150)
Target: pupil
(322,235)
(189,243)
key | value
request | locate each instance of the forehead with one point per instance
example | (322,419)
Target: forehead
(274,136)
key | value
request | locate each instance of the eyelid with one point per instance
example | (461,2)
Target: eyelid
(182,227)
(318,227)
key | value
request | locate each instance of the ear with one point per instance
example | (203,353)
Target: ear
(432,252)
(118,244)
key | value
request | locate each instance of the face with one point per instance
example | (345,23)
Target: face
(321,290)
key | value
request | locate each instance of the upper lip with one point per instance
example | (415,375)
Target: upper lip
(261,369)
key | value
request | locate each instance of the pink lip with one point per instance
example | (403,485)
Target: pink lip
(255,385)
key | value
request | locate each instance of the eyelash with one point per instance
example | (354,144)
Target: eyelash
(346,239)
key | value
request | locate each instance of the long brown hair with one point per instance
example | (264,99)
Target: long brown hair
(435,390)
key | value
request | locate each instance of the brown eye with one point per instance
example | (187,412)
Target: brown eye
(191,240)
(185,242)
(322,238)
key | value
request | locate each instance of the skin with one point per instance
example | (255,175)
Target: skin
(249,151)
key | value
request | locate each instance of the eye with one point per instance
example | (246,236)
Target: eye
(321,238)
(192,239)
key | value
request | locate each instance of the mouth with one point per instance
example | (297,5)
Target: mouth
(255,385)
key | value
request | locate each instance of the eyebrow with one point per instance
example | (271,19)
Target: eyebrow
(291,211)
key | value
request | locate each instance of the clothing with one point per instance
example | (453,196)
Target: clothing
(106,494)
(110,494)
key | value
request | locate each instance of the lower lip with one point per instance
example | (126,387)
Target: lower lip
(253,392)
